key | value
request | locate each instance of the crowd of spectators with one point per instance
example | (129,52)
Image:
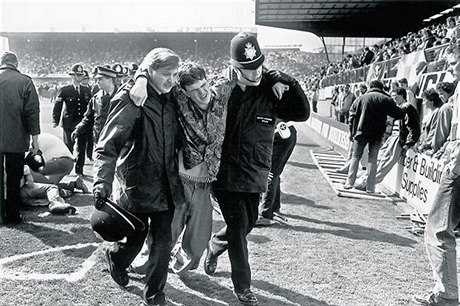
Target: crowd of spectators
(441,34)
(42,58)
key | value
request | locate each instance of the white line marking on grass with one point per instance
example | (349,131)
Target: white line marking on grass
(70,277)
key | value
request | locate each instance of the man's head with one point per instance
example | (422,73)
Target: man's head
(376,84)
(192,79)
(403,83)
(85,79)
(362,88)
(445,90)
(162,65)
(247,59)
(118,68)
(431,98)
(399,95)
(77,73)
(346,88)
(9,58)
(105,78)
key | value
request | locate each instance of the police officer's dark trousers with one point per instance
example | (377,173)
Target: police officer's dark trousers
(240,214)
(82,143)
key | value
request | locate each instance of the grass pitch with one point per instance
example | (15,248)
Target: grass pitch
(333,251)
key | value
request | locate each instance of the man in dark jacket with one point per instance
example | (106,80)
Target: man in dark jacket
(142,142)
(404,135)
(367,123)
(19,119)
(283,146)
(367,57)
(74,99)
(98,107)
(246,155)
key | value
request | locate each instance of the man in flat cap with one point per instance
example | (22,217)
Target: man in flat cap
(74,99)
(246,154)
(99,105)
(19,120)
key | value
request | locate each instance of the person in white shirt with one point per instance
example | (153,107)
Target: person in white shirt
(58,163)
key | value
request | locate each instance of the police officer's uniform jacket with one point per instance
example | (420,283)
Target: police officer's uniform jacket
(70,106)
(96,114)
(248,142)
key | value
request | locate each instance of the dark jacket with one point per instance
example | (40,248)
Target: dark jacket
(248,142)
(19,110)
(96,114)
(367,58)
(409,130)
(368,115)
(74,105)
(142,143)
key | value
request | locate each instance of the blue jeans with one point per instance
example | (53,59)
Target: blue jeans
(358,149)
(440,242)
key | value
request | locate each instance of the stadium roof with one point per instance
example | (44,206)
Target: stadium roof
(350,18)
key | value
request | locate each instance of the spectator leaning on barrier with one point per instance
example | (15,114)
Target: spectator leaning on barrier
(405,134)
(430,125)
(410,94)
(441,135)
(346,98)
(367,126)
(19,120)
(367,57)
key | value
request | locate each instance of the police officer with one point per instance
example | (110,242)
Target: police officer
(118,68)
(74,99)
(98,107)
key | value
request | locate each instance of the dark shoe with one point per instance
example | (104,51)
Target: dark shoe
(158,299)
(246,297)
(120,276)
(434,300)
(210,262)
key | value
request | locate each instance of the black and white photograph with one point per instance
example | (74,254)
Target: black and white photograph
(229,152)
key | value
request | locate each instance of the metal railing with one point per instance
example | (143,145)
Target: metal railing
(390,69)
